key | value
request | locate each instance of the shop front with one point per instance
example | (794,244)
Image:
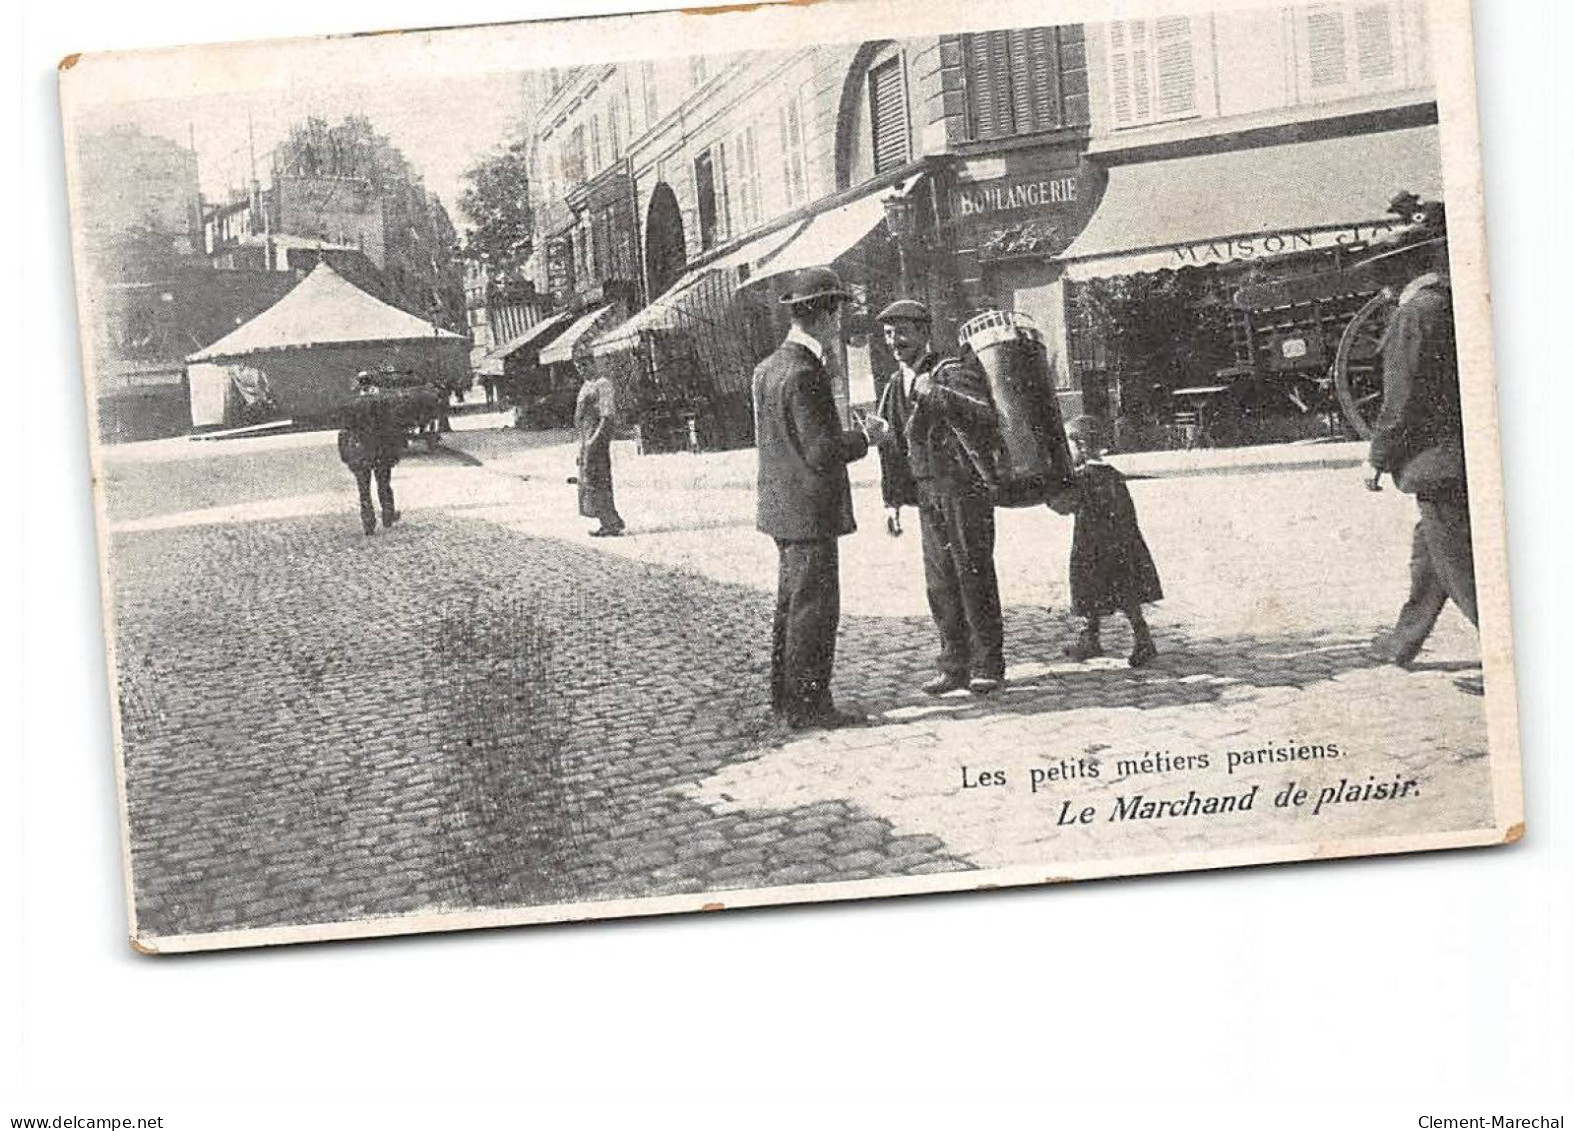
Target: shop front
(1205,299)
(1013,214)
(687,359)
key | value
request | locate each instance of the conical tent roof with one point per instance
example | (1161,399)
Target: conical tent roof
(324,309)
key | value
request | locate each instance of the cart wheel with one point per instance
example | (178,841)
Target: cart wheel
(1358,364)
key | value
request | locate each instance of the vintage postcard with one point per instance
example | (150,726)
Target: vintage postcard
(688,461)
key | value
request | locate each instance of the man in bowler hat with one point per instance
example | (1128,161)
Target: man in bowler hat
(1419,438)
(805,500)
(942,420)
(370,443)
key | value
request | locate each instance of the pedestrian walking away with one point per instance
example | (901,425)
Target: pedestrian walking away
(805,500)
(1418,438)
(942,421)
(1111,569)
(370,443)
(595,416)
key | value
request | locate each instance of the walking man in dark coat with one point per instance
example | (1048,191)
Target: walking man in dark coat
(805,499)
(942,420)
(1419,439)
(370,443)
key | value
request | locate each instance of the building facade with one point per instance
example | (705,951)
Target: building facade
(1074,173)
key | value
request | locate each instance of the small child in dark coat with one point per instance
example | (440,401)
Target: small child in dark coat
(1111,568)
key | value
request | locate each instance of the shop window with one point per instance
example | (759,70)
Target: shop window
(1350,48)
(795,182)
(1025,81)
(1153,70)
(889,133)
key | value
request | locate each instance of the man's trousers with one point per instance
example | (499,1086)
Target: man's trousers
(1442,569)
(363,484)
(959,575)
(803,637)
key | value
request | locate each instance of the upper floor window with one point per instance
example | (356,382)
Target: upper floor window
(574,157)
(789,131)
(652,102)
(890,133)
(1153,70)
(710,190)
(595,145)
(1025,81)
(1350,48)
(746,158)
(615,128)
(698,72)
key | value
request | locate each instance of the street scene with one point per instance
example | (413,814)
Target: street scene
(483,709)
(984,457)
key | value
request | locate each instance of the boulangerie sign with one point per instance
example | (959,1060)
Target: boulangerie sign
(559,471)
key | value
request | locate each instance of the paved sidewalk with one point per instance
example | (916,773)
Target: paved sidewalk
(550,456)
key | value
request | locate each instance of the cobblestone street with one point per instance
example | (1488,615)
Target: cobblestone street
(483,708)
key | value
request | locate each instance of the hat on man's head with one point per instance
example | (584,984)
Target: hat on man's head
(1421,224)
(904,310)
(365,377)
(816,282)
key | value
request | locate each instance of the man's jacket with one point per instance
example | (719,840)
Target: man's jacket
(804,451)
(369,431)
(1418,438)
(942,444)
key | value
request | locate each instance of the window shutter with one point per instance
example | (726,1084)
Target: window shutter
(1023,115)
(1073,72)
(746,155)
(888,116)
(981,81)
(724,224)
(1042,94)
(1325,47)
(1141,71)
(790,129)
(1374,42)
(1175,68)
(652,105)
(1121,80)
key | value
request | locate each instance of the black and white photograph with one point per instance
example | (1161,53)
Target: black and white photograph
(594,469)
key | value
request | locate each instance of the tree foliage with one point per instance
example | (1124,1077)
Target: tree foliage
(496,200)
(422,266)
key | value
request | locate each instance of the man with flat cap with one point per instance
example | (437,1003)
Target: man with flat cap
(942,425)
(805,500)
(1419,437)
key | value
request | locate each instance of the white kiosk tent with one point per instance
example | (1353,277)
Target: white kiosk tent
(303,352)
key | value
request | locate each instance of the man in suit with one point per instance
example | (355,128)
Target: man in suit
(942,426)
(370,443)
(805,500)
(1419,438)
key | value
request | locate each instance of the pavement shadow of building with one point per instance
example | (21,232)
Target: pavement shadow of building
(320,727)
